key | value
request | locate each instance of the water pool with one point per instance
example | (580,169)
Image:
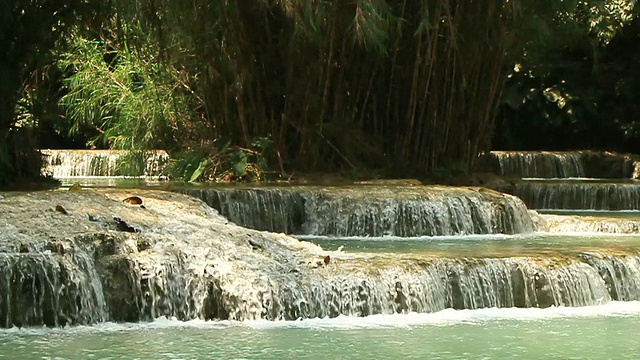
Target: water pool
(598,332)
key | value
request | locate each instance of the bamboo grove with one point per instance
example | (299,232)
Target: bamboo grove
(334,84)
(405,87)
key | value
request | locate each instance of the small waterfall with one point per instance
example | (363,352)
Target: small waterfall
(37,294)
(275,210)
(188,262)
(575,196)
(158,286)
(371,210)
(44,288)
(89,163)
(586,224)
(429,211)
(470,283)
(524,164)
(620,274)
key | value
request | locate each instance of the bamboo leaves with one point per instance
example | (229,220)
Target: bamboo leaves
(130,103)
(372,23)
(406,86)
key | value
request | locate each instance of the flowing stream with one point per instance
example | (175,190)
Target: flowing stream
(599,332)
(380,271)
(580,195)
(102,163)
(370,210)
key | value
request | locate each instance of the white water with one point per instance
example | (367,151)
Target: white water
(540,164)
(370,210)
(596,332)
(580,195)
(447,317)
(101,163)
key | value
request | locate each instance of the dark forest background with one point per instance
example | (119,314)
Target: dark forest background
(241,90)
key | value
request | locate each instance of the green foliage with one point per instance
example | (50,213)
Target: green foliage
(409,86)
(28,30)
(131,102)
(133,164)
(228,163)
(197,173)
(577,92)
(313,76)
(183,166)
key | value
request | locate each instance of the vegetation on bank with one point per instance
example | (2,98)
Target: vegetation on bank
(238,90)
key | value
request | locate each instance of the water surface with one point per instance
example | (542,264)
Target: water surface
(532,244)
(606,331)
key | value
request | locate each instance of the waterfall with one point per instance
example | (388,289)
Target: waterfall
(188,262)
(275,210)
(89,163)
(42,288)
(594,196)
(524,164)
(371,210)
(415,211)
(620,274)
(37,295)
(470,283)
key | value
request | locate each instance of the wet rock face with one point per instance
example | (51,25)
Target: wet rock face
(188,262)
(82,267)
(571,195)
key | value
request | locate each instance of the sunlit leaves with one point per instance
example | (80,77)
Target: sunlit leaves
(132,103)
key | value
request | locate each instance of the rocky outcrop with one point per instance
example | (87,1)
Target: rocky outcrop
(586,224)
(102,259)
(182,260)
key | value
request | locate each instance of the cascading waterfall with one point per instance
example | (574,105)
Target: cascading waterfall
(415,211)
(371,210)
(43,288)
(90,163)
(37,294)
(189,262)
(275,210)
(469,283)
(523,164)
(576,196)
(620,274)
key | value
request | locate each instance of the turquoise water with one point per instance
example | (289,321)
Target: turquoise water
(484,245)
(600,332)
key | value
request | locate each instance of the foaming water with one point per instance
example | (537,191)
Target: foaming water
(419,238)
(101,163)
(553,333)
(448,317)
(451,317)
